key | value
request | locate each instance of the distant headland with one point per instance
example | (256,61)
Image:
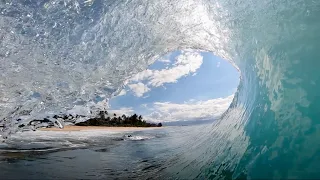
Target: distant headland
(104,119)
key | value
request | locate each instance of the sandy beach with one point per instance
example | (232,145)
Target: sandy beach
(92,128)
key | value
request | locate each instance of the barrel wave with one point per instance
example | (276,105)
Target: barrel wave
(56,54)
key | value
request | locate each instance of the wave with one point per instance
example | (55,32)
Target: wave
(58,54)
(138,138)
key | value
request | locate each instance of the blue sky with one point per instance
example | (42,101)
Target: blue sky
(183,85)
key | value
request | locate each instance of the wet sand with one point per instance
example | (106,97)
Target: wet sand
(92,128)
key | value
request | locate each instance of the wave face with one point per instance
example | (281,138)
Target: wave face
(60,53)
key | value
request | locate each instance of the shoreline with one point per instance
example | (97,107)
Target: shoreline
(105,128)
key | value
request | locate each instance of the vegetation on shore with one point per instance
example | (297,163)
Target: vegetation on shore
(102,119)
(117,121)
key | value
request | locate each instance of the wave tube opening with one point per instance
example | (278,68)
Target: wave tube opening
(57,54)
(183,87)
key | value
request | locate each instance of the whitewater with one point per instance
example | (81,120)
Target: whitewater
(57,54)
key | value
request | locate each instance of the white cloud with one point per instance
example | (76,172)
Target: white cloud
(218,64)
(191,110)
(139,89)
(142,76)
(164,60)
(119,112)
(186,63)
(122,92)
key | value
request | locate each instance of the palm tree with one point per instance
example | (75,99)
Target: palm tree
(103,120)
(124,118)
(134,118)
(102,115)
(119,120)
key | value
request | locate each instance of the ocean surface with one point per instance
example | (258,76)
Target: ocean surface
(147,154)
(58,54)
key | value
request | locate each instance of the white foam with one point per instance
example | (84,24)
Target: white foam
(139,138)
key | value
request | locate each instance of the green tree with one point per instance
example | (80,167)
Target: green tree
(102,120)
(134,118)
(102,115)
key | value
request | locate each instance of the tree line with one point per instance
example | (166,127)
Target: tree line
(104,119)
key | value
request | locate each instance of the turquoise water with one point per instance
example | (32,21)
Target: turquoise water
(55,54)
